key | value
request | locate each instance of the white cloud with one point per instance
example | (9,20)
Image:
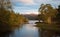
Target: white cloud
(24,10)
(43,1)
(34,2)
(25,2)
(30,12)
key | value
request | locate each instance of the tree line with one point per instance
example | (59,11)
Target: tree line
(48,14)
(8,18)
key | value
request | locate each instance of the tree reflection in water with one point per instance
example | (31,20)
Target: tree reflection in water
(5,34)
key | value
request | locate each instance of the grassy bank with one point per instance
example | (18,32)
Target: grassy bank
(46,26)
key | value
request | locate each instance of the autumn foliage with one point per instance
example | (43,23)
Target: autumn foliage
(8,18)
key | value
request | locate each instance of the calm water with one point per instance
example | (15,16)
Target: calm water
(27,30)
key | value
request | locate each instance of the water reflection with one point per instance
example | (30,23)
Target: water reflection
(6,34)
(27,30)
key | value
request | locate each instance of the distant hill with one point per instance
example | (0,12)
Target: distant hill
(31,16)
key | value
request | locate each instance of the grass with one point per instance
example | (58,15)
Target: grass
(48,26)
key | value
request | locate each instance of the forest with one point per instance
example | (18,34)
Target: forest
(8,18)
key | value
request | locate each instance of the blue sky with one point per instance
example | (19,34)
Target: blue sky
(31,6)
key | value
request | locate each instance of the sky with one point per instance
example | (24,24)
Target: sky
(31,6)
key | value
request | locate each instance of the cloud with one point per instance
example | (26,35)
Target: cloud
(25,11)
(25,2)
(43,1)
(29,6)
(35,2)
(30,12)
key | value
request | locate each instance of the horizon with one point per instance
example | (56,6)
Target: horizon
(30,14)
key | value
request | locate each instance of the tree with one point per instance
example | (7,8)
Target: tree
(5,7)
(8,18)
(5,4)
(47,13)
(58,15)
